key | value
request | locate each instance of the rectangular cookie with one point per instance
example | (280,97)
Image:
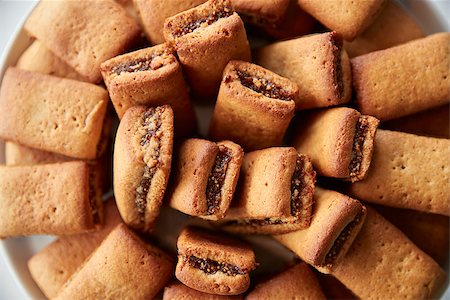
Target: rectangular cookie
(58,199)
(150,77)
(260,101)
(122,267)
(52,266)
(336,221)
(407,171)
(338,140)
(275,193)
(51,113)
(16,154)
(384,264)
(206,38)
(348,18)
(418,78)
(38,58)
(83,33)
(213,263)
(392,27)
(316,63)
(297,282)
(179,291)
(205,177)
(262,13)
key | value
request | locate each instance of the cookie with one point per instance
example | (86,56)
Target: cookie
(338,140)
(336,221)
(206,38)
(333,288)
(52,266)
(38,58)
(36,207)
(123,266)
(297,282)
(16,154)
(390,95)
(261,102)
(263,13)
(153,13)
(51,113)
(348,18)
(393,26)
(407,171)
(206,174)
(384,264)
(275,193)
(213,263)
(151,77)
(83,33)
(316,63)
(142,163)
(179,291)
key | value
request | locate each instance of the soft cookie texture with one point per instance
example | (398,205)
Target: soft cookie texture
(263,13)
(16,154)
(389,95)
(384,264)
(83,33)
(142,163)
(316,63)
(51,113)
(348,18)
(408,171)
(179,291)
(122,267)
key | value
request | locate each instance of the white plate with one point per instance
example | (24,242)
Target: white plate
(431,15)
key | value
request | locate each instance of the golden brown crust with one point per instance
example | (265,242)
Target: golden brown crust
(52,114)
(384,264)
(336,221)
(264,13)
(83,33)
(17,154)
(407,171)
(393,95)
(142,163)
(118,269)
(261,102)
(179,291)
(316,63)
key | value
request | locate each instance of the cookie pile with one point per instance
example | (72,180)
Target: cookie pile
(293,153)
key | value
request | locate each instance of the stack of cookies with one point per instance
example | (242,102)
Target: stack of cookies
(316,142)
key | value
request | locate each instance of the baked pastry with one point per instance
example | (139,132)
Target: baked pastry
(348,18)
(206,38)
(38,58)
(393,26)
(338,140)
(213,263)
(275,193)
(150,77)
(52,114)
(383,263)
(123,266)
(402,176)
(16,154)
(153,13)
(267,13)
(179,291)
(83,33)
(432,122)
(142,161)
(316,63)
(333,288)
(30,199)
(206,174)
(390,95)
(336,221)
(297,282)
(261,102)
(52,266)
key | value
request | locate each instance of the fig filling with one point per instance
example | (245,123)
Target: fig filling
(336,45)
(210,266)
(361,129)
(151,63)
(93,197)
(263,86)
(151,144)
(212,17)
(216,179)
(333,253)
